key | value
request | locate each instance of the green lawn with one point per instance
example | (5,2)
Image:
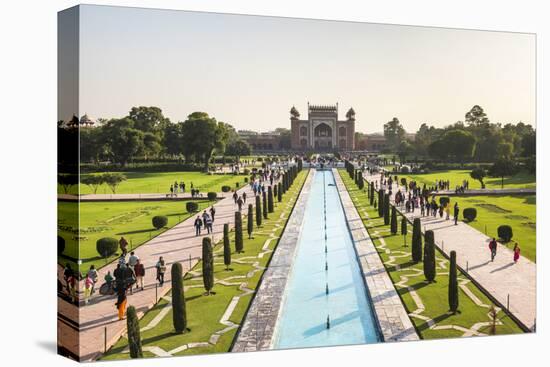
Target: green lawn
(114,219)
(517,211)
(159,182)
(520,180)
(433,297)
(204,312)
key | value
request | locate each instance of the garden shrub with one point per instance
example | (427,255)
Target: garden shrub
(212,196)
(505,232)
(106,246)
(160,221)
(469,214)
(226,188)
(444,200)
(191,207)
(246,179)
(237,184)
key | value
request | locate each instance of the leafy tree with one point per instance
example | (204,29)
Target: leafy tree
(123,141)
(460,144)
(269,199)
(453,284)
(429,256)
(416,247)
(237,148)
(92,144)
(529,144)
(147,119)
(207,264)
(113,179)
(476,116)
(202,135)
(238,232)
(258,211)
(179,313)
(134,338)
(479,174)
(503,168)
(505,150)
(404,149)
(226,247)
(250,222)
(393,222)
(93,181)
(394,133)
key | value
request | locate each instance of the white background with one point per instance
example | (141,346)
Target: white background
(28,190)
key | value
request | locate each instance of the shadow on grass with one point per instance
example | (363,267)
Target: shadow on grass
(137,231)
(401,266)
(438,319)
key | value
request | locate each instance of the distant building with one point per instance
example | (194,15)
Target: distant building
(262,142)
(322,130)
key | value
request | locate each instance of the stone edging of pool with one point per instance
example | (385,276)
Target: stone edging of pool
(393,320)
(258,327)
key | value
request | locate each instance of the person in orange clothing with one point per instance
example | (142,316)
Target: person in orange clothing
(121,302)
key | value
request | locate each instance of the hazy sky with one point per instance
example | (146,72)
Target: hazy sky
(249,71)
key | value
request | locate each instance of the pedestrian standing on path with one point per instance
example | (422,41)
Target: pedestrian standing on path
(88,285)
(493,248)
(240,203)
(161,269)
(198,225)
(139,270)
(235,196)
(93,275)
(455,212)
(212,213)
(121,302)
(517,252)
(133,260)
(244,197)
(123,244)
(207,223)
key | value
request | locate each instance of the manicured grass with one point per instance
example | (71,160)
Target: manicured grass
(434,297)
(517,211)
(456,177)
(114,219)
(204,312)
(159,182)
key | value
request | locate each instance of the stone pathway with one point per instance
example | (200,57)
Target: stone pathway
(488,192)
(98,322)
(511,284)
(391,315)
(137,197)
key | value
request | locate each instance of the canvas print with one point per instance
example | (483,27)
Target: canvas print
(234,183)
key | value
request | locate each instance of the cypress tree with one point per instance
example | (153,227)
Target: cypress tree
(386,209)
(179,314)
(371,193)
(368,190)
(429,256)
(361,182)
(283,182)
(134,338)
(403,226)
(226,246)
(207,264)
(264,204)
(275,191)
(238,232)
(380,203)
(269,199)
(258,211)
(393,222)
(416,248)
(279,192)
(250,220)
(453,284)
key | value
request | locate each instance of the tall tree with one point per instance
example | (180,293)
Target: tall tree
(394,133)
(476,116)
(226,247)
(453,284)
(179,313)
(269,199)
(207,265)
(429,256)
(393,222)
(202,135)
(239,245)
(258,211)
(250,220)
(264,204)
(416,248)
(134,338)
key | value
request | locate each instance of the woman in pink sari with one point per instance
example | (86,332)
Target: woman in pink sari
(517,251)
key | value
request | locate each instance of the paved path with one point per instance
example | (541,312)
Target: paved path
(502,278)
(488,192)
(99,317)
(136,197)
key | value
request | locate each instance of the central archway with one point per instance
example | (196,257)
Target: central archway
(322,130)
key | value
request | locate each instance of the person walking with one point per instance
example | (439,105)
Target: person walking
(123,244)
(240,203)
(207,223)
(198,225)
(212,213)
(121,302)
(139,270)
(93,275)
(88,285)
(493,248)
(161,269)
(455,212)
(448,211)
(517,252)
(235,196)
(133,260)
(244,197)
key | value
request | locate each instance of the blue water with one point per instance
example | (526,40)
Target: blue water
(303,320)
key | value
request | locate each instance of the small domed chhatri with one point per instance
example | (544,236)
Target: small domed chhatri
(86,120)
(322,130)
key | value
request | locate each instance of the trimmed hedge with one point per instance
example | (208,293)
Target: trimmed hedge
(238,232)
(226,188)
(207,264)
(469,214)
(179,314)
(191,207)
(212,196)
(416,248)
(429,256)
(505,232)
(159,221)
(106,246)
